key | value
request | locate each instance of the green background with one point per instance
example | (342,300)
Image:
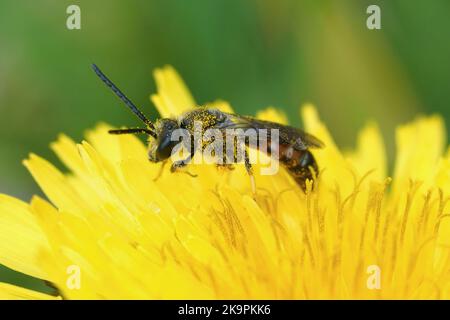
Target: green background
(251,53)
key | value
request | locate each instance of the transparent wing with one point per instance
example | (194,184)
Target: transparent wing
(299,139)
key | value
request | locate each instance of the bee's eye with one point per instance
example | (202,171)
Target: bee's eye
(165,147)
(169,126)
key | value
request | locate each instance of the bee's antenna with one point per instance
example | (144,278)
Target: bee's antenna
(133,130)
(123,97)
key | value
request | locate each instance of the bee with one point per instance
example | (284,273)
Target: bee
(294,144)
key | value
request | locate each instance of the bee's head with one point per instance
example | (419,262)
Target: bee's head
(159,133)
(160,147)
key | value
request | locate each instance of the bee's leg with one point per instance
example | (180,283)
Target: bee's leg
(161,169)
(248,167)
(183,163)
(226,166)
(225,162)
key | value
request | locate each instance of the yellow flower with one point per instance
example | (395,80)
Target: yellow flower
(108,230)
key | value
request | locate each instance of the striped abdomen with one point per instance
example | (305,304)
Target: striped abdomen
(300,164)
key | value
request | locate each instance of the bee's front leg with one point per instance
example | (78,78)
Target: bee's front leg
(161,169)
(181,164)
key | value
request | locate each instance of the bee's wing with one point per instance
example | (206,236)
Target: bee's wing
(299,139)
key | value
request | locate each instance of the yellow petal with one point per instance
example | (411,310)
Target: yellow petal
(66,150)
(443,174)
(105,143)
(272,114)
(370,152)
(21,238)
(54,184)
(173,97)
(221,105)
(11,292)
(419,147)
(335,170)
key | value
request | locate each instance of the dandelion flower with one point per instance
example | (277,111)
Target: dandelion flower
(108,230)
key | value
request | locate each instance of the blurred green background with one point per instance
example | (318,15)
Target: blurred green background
(252,53)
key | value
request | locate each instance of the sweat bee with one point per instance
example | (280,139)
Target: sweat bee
(293,146)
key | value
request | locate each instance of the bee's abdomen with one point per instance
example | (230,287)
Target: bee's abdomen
(299,165)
